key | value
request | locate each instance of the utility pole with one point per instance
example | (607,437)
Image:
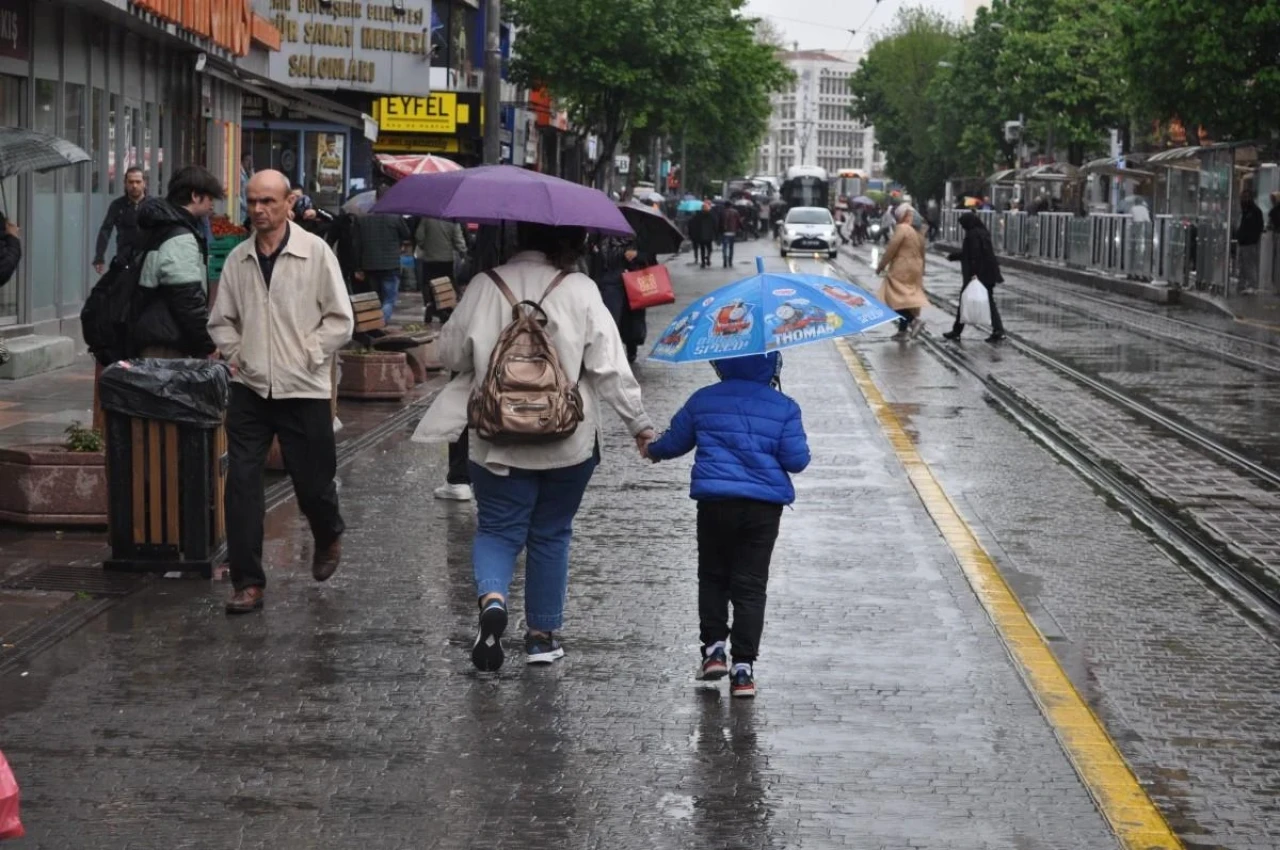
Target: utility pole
(492,82)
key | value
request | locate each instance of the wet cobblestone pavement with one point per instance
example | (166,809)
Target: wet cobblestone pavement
(1189,690)
(347,715)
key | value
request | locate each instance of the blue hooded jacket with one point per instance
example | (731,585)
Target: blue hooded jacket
(749,436)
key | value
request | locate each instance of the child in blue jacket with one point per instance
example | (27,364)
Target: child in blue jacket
(750,440)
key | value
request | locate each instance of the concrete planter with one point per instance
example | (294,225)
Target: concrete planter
(48,485)
(373,376)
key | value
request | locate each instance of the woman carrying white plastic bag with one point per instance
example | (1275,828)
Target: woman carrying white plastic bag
(977,262)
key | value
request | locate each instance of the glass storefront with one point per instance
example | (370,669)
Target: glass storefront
(316,157)
(11,112)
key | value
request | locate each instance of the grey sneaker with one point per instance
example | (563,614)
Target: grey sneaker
(542,649)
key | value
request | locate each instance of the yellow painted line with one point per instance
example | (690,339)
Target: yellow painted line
(1257,324)
(1122,800)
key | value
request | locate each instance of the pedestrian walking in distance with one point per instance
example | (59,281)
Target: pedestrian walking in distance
(702,230)
(281,315)
(978,262)
(122,217)
(528,493)
(750,440)
(903,267)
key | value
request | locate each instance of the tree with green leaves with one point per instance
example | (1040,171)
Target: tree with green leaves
(892,88)
(1211,63)
(648,67)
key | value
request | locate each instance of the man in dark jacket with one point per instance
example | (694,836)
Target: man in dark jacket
(172,311)
(702,232)
(730,227)
(977,258)
(1248,239)
(383,238)
(122,217)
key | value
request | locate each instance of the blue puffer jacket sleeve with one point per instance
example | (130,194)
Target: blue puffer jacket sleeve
(749,437)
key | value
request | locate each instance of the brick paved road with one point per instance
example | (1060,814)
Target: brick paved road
(1189,690)
(347,716)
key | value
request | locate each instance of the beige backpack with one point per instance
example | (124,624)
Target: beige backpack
(524,398)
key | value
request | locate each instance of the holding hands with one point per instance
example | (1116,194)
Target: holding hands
(643,439)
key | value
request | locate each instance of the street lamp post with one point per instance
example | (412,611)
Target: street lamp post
(493,82)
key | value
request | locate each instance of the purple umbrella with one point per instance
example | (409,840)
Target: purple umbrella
(495,193)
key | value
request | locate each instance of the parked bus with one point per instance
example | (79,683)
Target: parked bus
(848,183)
(806,186)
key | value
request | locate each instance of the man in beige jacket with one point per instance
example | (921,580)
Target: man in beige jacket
(281,315)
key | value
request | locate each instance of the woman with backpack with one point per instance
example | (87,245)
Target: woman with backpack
(531,393)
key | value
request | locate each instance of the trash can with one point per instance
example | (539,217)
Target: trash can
(166,464)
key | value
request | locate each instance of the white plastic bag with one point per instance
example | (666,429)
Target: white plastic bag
(975,306)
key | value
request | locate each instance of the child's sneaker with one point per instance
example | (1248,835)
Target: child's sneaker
(743,684)
(714,663)
(486,654)
(542,649)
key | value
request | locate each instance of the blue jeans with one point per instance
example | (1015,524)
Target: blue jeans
(533,511)
(726,248)
(387,285)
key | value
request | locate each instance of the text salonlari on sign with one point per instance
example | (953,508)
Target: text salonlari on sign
(352,45)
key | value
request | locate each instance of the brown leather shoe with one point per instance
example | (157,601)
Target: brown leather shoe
(325,561)
(245,601)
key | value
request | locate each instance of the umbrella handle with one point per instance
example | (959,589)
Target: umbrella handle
(760,265)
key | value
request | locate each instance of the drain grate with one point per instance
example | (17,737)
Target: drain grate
(71,578)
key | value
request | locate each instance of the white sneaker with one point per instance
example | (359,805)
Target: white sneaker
(455,493)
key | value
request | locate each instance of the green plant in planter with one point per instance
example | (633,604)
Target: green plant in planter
(81,439)
(359,352)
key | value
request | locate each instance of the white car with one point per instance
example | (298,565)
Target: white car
(809,230)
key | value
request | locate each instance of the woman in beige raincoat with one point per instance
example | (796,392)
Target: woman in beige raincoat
(903,287)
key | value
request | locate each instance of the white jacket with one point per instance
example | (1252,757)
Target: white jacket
(585,337)
(282,341)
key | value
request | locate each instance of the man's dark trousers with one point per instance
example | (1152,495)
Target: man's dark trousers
(305,429)
(735,545)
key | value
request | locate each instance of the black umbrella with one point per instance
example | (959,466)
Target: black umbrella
(655,232)
(23,151)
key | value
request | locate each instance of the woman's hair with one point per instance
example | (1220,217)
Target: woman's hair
(564,246)
(902,212)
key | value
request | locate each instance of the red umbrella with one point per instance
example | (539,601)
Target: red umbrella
(403,166)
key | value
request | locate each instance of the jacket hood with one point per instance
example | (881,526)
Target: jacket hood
(157,212)
(757,368)
(970,220)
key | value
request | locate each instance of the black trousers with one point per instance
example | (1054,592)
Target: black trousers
(702,250)
(997,324)
(735,545)
(305,429)
(459,455)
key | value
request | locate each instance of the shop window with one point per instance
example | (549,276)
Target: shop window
(440,20)
(46,121)
(115,132)
(75,120)
(11,114)
(96,138)
(325,169)
(42,232)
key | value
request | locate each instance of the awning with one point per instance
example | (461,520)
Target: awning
(1109,167)
(1005,176)
(295,99)
(1052,172)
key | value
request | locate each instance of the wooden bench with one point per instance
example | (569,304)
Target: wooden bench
(368,310)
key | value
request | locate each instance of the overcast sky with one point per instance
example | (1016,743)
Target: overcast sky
(824,24)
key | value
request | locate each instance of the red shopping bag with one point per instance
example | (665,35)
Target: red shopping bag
(10,826)
(649,287)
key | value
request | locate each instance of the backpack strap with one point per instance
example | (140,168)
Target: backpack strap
(510,296)
(554,283)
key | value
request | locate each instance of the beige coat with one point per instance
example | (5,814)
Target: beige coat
(585,337)
(903,287)
(282,341)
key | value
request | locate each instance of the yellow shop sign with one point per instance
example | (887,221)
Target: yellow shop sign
(441,113)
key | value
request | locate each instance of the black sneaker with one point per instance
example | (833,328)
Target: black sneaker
(954,336)
(743,683)
(542,649)
(714,663)
(995,338)
(487,652)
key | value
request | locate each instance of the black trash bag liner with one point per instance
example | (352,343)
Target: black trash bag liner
(190,392)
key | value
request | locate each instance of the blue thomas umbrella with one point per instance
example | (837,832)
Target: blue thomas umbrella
(769,312)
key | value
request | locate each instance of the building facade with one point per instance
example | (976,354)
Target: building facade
(130,82)
(413,67)
(812,123)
